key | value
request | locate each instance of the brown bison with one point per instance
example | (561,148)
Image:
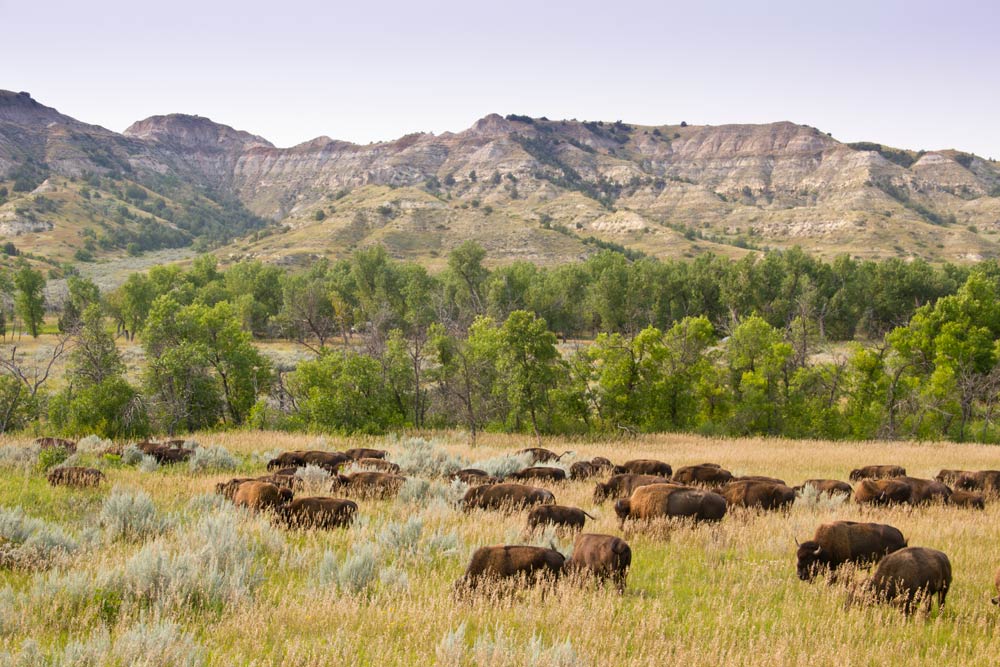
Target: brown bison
(52,443)
(505,496)
(924,491)
(827,486)
(622,486)
(228,488)
(704,474)
(962,498)
(540,454)
(541,473)
(996,585)
(951,477)
(498,563)
(602,464)
(671,500)
(319,512)
(882,492)
(877,472)
(330,461)
(987,481)
(260,496)
(366,453)
(753,493)
(911,573)
(603,556)
(75,476)
(475,477)
(759,478)
(379,465)
(645,467)
(582,470)
(839,542)
(294,459)
(557,515)
(372,484)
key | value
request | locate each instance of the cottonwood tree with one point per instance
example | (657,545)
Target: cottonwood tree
(29,299)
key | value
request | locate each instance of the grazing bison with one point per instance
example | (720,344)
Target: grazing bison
(904,575)
(602,464)
(228,488)
(497,563)
(319,512)
(705,474)
(996,585)
(506,496)
(540,454)
(882,492)
(582,470)
(557,515)
(839,542)
(542,473)
(52,443)
(759,478)
(671,500)
(923,491)
(330,461)
(365,453)
(753,493)
(372,484)
(379,465)
(260,496)
(987,481)
(75,476)
(622,486)
(475,477)
(877,472)
(951,477)
(828,486)
(645,467)
(294,459)
(962,498)
(602,556)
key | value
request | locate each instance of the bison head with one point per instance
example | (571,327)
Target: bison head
(855,475)
(600,492)
(623,508)
(810,556)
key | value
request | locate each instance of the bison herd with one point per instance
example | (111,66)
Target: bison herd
(642,490)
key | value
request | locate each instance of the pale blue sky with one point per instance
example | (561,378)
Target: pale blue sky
(911,74)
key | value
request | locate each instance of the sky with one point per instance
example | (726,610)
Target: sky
(915,74)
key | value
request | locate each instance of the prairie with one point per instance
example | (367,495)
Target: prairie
(189,580)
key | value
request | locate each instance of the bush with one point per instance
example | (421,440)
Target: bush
(27,542)
(401,538)
(359,570)
(158,645)
(315,479)
(505,464)
(148,464)
(51,457)
(93,444)
(131,516)
(213,457)
(23,457)
(419,457)
(132,456)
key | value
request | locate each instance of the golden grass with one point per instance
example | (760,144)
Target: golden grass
(722,595)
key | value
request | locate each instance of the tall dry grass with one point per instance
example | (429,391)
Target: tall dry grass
(380,592)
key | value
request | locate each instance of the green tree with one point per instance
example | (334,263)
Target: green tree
(529,366)
(29,301)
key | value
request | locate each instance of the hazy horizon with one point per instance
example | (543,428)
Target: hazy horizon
(908,74)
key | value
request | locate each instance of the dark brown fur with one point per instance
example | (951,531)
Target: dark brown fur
(260,496)
(498,563)
(877,472)
(987,481)
(582,470)
(372,484)
(380,465)
(839,542)
(541,473)
(319,512)
(557,515)
(924,491)
(882,492)
(49,443)
(75,476)
(602,556)
(622,486)
(540,454)
(475,477)
(645,467)
(828,486)
(671,500)
(506,496)
(905,574)
(757,494)
(366,453)
(969,499)
(704,474)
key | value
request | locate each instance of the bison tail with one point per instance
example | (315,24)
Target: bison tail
(588,516)
(563,454)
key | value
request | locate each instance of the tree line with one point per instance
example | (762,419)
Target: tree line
(608,345)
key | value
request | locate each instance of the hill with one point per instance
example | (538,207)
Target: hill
(525,188)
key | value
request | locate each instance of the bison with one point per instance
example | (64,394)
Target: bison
(541,473)
(645,467)
(602,464)
(759,478)
(603,556)
(498,563)
(379,465)
(622,486)
(75,476)
(923,491)
(753,493)
(951,477)
(260,496)
(506,496)
(372,484)
(839,542)
(827,486)
(52,443)
(877,472)
(704,474)
(671,500)
(962,498)
(996,585)
(582,470)
(540,454)
(882,492)
(987,481)
(365,453)
(319,512)
(558,515)
(475,477)
(908,574)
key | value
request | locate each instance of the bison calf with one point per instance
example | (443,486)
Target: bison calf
(603,556)
(75,476)
(557,515)
(498,563)
(840,542)
(960,498)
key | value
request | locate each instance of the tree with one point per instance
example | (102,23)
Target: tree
(94,357)
(466,276)
(307,314)
(29,302)
(465,370)
(529,365)
(82,293)
(133,302)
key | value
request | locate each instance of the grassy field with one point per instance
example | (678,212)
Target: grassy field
(197,582)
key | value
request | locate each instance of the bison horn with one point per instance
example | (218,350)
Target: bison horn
(818,549)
